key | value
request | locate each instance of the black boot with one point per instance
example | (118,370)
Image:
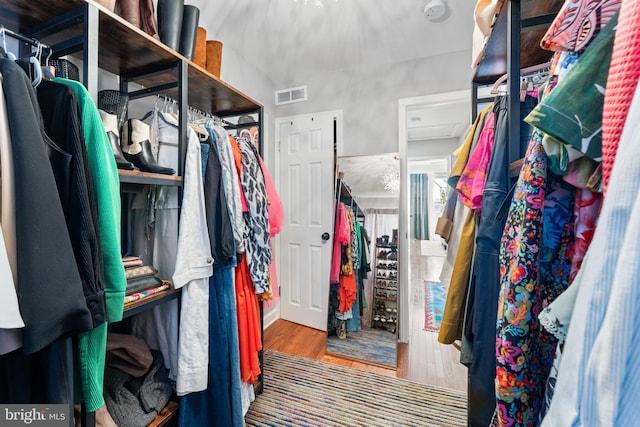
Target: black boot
(137,148)
(110,122)
(190,17)
(170,22)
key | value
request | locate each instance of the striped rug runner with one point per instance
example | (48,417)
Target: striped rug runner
(305,392)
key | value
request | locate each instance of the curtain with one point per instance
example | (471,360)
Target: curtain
(377,222)
(419,206)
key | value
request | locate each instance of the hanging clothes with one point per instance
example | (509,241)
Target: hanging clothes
(484,287)
(221,403)
(597,374)
(10,319)
(623,76)
(578,23)
(276,219)
(452,317)
(52,302)
(194,267)
(249,328)
(153,227)
(231,183)
(258,249)
(92,345)
(341,237)
(473,177)
(59,107)
(535,265)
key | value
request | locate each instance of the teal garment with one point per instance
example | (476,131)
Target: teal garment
(104,173)
(92,345)
(572,112)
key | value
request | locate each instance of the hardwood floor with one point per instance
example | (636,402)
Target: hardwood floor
(423,359)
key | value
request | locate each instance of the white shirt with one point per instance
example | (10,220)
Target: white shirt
(194,266)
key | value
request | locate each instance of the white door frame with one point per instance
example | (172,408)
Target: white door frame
(274,314)
(403,248)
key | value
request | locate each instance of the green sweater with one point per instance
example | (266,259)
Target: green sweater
(92,345)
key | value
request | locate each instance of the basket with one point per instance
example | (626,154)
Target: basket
(65,69)
(114,102)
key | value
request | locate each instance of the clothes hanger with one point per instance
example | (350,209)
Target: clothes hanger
(10,55)
(49,70)
(495,89)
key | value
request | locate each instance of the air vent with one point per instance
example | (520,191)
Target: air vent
(294,94)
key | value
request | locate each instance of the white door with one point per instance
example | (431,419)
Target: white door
(306,159)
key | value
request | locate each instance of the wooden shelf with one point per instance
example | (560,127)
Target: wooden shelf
(169,414)
(139,177)
(129,52)
(494,61)
(136,307)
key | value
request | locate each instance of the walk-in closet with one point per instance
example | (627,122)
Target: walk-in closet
(318,213)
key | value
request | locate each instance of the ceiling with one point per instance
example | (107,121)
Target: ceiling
(437,121)
(293,38)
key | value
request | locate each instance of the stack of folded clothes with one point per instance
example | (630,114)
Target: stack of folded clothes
(142,280)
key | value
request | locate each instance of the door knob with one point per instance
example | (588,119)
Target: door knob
(325,236)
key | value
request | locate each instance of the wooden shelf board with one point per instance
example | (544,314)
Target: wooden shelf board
(139,177)
(494,61)
(126,51)
(137,306)
(167,414)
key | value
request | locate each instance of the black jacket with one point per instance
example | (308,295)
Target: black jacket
(218,220)
(59,107)
(50,292)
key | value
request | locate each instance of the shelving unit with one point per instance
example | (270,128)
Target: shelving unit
(385,289)
(103,40)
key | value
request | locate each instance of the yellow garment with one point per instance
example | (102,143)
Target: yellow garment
(453,316)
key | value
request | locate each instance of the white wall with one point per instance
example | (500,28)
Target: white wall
(369,97)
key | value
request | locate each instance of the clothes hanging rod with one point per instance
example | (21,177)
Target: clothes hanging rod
(33,42)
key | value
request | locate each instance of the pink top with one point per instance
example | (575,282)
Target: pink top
(276,213)
(471,183)
(341,236)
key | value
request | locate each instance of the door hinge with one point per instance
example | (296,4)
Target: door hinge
(278,145)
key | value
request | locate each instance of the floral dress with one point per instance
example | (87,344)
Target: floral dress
(535,263)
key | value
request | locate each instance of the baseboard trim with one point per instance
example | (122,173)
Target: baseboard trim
(271,317)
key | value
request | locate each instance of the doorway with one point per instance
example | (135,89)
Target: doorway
(431,128)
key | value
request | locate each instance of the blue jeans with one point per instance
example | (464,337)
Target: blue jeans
(221,403)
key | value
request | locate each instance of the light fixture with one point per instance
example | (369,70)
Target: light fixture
(391,179)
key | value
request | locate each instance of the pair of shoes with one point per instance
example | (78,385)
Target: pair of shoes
(137,148)
(132,148)
(383,255)
(393,255)
(110,123)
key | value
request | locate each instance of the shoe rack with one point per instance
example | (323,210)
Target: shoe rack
(104,41)
(385,288)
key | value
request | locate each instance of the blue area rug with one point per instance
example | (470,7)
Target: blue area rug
(373,345)
(435,296)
